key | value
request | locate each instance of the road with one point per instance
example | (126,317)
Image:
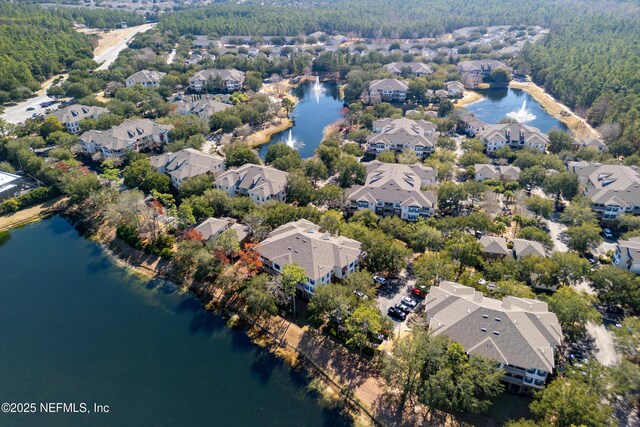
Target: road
(109,47)
(171,56)
(606,351)
(107,53)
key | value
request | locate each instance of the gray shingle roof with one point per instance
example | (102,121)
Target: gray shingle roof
(395,183)
(254,179)
(187,163)
(388,84)
(77,112)
(515,331)
(302,243)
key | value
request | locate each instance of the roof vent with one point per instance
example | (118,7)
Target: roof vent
(483,329)
(497,319)
(485,316)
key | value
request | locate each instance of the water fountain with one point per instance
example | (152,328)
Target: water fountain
(522,115)
(291,141)
(317,87)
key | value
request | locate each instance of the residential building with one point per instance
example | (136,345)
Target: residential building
(387,90)
(594,144)
(503,173)
(211,228)
(417,69)
(627,255)
(260,183)
(520,334)
(394,189)
(9,185)
(523,248)
(455,88)
(322,255)
(400,134)
(203,106)
(227,80)
(71,116)
(495,247)
(613,189)
(471,125)
(498,247)
(203,42)
(473,72)
(137,135)
(146,78)
(187,163)
(514,135)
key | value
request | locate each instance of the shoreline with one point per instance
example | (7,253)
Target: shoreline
(469,97)
(576,124)
(278,335)
(32,214)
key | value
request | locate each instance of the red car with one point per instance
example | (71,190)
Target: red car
(420,293)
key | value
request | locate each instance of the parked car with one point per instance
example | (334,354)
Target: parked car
(30,108)
(394,313)
(589,257)
(607,234)
(419,292)
(402,308)
(361,294)
(409,302)
(379,279)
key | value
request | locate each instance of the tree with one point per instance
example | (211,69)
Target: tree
(299,191)
(574,309)
(628,339)
(540,206)
(81,186)
(291,276)
(466,250)
(616,287)
(500,77)
(559,141)
(351,172)
(239,153)
(536,234)
(55,91)
(386,156)
(331,222)
(473,157)
(563,184)
(140,174)
(195,186)
(49,125)
(445,107)
(450,195)
(361,324)
(578,212)
(584,237)
(334,301)
(568,402)
(569,269)
(279,149)
(433,267)
(408,157)
(315,170)
(259,300)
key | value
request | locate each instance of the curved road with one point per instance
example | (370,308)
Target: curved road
(18,113)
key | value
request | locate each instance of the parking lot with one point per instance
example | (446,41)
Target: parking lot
(391,293)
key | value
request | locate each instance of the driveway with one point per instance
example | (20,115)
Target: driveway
(556,230)
(392,293)
(605,348)
(18,113)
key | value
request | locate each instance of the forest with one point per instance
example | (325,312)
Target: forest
(37,43)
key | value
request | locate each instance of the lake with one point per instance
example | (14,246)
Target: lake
(313,112)
(499,102)
(75,327)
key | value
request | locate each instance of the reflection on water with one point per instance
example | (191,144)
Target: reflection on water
(77,328)
(499,104)
(314,111)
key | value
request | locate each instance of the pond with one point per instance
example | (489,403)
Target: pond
(314,111)
(500,104)
(78,328)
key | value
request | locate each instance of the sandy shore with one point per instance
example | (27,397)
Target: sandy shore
(469,97)
(263,136)
(578,126)
(32,214)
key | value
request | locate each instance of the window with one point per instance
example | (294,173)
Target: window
(496,333)
(483,329)
(484,316)
(497,319)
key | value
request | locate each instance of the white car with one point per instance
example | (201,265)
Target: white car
(379,279)
(409,302)
(607,234)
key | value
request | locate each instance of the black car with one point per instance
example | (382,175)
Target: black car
(403,308)
(397,314)
(589,257)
